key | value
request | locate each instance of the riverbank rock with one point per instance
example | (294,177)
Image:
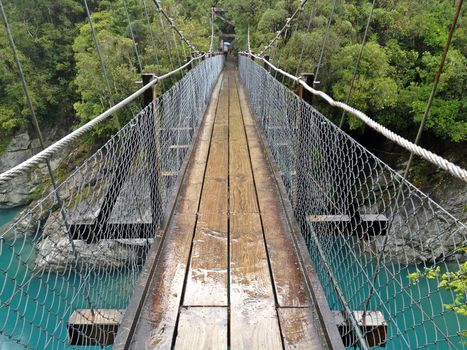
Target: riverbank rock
(18,192)
(424,232)
(55,250)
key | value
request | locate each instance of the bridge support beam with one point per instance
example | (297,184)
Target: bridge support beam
(372,324)
(93,327)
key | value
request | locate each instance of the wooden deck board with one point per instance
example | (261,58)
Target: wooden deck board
(254,323)
(298,330)
(202,328)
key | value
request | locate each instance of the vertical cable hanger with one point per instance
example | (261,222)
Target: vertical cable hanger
(326,36)
(175,28)
(176,48)
(151,33)
(167,48)
(357,64)
(101,62)
(310,21)
(135,45)
(211,44)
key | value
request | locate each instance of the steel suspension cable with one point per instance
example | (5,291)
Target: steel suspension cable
(176,48)
(357,64)
(167,47)
(151,33)
(211,44)
(135,45)
(101,62)
(175,28)
(73,136)
(286,25)
(326,36)
(248,43)
(310,21)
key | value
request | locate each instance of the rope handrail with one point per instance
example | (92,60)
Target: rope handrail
(286,25)
(48,152)
(433,158)
(175,28)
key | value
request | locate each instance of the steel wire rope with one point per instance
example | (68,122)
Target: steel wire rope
(211,43)
(172,24)
(135,45)
(286,25)
(176,48)
(357,64)
(167,47)
(151,33)
(101,62)
(310,21)
(323,46)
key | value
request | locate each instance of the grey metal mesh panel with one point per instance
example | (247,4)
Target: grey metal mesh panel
(84,245)
(353,209)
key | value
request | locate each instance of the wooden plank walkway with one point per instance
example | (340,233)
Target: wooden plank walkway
(228,275)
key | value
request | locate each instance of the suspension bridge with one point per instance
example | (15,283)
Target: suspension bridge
(229,213)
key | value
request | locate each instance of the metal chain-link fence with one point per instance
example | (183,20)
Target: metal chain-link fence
(70,262)
(391,261)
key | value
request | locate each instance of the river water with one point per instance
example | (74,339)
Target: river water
(43,301)
(409,329)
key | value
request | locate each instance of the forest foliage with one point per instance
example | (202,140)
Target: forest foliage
(395,78)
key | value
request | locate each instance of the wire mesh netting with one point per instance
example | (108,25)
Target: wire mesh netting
(391,261)
(74,256)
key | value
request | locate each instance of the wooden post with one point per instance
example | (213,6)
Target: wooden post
(301,197)
(150,96)
(266,66)
(190,66)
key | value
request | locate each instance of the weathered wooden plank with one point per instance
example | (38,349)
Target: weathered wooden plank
(220,132)
(240,160)
(297,329)
(222,113)
(202,328)
(254,323)
(254,328)
(216,201)
(218,162)
(208,273)
(243,196)
(157,322)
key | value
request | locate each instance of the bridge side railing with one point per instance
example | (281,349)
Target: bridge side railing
(70,261)
(388,257)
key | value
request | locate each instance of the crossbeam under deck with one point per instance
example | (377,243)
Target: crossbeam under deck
(228,273)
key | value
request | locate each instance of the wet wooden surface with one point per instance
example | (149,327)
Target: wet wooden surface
(228,274)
